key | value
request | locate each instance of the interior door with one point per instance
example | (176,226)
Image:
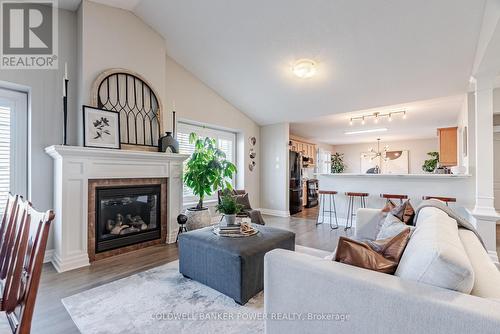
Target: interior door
(13,143)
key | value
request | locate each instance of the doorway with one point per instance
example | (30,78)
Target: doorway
(13,143)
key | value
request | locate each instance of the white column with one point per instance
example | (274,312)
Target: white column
(484,209)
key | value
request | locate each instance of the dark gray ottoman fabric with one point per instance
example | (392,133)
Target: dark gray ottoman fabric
(233,266)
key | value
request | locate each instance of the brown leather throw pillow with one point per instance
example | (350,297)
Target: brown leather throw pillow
(404,212)
(380,255)
(389,206)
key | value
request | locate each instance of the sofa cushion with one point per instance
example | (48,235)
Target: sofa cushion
(404,212)
(391,226)
(435,255)
(486,274)
(380,255)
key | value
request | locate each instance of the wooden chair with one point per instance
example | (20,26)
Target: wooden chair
(14,217)
(10,214)
(22,285)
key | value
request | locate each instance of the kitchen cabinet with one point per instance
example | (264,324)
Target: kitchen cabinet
(448,151)
(307,149)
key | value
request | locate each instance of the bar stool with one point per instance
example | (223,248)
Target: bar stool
(350,207)
(444,199)
(331,195)
(388,197)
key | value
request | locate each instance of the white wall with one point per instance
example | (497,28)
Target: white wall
(274,170)
(417,148)
(462,123)
(194,101)
(45,87)
(114,38)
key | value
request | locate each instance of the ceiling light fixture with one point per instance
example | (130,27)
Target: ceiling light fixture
(381,154)
(304,68)
(365,131)
(377,116)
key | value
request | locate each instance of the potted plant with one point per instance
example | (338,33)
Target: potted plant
(229,207)
(338,165)
(430,165)
(206,171)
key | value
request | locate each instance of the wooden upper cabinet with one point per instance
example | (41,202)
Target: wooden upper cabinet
(448,151)
(302,146)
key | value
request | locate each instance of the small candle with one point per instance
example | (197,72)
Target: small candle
(173,105)
(65,71)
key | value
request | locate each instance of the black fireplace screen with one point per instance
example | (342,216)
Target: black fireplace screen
(127,216)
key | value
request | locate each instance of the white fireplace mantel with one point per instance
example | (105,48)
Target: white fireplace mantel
(75,165)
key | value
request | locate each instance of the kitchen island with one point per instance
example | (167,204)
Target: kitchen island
(461,187)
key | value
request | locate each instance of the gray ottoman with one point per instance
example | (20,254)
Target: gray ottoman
(233,266)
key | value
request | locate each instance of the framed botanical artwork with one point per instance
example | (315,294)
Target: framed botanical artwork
(101,128)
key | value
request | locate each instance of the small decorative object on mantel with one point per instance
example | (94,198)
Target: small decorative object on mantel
(65,105)
(168,143)
(101,128)
(251,153)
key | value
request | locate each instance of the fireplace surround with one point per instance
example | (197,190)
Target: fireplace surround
(125,215)
(75,167)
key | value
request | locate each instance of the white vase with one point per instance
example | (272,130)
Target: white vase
(230,219)
(198,218)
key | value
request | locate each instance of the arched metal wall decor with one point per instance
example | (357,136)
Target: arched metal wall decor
(137,103)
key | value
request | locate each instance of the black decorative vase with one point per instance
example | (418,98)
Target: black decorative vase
(166,142)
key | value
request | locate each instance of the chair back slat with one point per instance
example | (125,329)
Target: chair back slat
(26,288)
(10,214)
(21,228)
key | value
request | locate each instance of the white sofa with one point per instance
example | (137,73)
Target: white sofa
(302,288)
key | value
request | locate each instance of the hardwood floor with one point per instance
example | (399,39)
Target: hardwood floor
(51,316)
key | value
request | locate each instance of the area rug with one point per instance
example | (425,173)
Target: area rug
(161,300)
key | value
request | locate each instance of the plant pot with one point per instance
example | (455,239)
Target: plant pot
(198,218)
(230,219)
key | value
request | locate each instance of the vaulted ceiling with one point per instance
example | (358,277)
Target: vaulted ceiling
(369,53)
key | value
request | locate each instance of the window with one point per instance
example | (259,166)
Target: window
(226,142)
(13,144)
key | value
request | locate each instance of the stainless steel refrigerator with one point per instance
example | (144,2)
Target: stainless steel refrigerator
(295,184)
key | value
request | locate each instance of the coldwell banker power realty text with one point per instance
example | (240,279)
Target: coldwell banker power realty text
(29,34)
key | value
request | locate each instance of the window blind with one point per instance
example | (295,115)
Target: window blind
(226,142)
(5,135)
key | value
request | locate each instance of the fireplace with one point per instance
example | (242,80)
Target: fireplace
(125,215)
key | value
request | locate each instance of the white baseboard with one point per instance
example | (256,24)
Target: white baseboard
(49,255)
(277,213)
